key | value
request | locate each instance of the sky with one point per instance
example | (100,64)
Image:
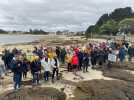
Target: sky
(54,15)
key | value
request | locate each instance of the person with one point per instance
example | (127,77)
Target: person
(85,62)
(17,70)
(93,58)
(75,63)
(68,61)
(46,64)
(130,53)
(101,57)
(58,52)
(25,66)
(7,58)
(122,54)
(55,68)
(63,55)
(4,58)
(29,56)
(35,70)
(80,56)
(40,52)
(35,51)
(2,69)
(106,51)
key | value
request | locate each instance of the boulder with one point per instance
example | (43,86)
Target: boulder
(37,93)
(104,90)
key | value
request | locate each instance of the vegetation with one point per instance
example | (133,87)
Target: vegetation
(3,31)
(36,32)
(127,25)
(111,23)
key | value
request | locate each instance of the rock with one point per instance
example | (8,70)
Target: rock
(119,74)
(104,90)
(126,66)
(34,94)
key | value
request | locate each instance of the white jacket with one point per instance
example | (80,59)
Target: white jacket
(46,65)
(53,63)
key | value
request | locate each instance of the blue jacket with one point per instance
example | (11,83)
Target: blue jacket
(122,53)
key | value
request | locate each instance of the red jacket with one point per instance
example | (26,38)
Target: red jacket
(75,60)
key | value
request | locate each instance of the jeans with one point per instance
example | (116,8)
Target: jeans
(46,75)
(2,71)
(17,80)
(36,77)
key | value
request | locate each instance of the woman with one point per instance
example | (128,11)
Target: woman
(55,68)
(75,62)
(68,61)
(46,64)
(35,70)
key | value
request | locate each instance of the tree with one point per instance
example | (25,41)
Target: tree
(127,25)
(110,27)
(91,30)
(108,23)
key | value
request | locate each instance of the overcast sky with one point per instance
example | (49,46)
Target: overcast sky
(53,15)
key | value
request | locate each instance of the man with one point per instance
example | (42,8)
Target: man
(17,70)
(7,58)
(63,55)
(58,52)
(80,56)
(130,53)
(85,62)
(122,54)
(94,57)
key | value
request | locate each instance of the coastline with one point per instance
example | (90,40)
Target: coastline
(49,40)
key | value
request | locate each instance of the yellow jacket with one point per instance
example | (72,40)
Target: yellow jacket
(68,58)
(51,55)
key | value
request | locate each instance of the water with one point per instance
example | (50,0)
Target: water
(13,39)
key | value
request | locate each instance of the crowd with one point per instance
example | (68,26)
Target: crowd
(47,60)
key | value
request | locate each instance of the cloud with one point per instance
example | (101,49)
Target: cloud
(53,15)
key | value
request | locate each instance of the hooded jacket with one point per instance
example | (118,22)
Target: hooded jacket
(75,60)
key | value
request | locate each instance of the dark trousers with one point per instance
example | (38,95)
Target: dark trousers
(85,67)
(130,58)
(93,61)
(46,75)
(25,74)
(55,70)
(63,59)
(17,80)
(80,65)
(69,67)
(36,77)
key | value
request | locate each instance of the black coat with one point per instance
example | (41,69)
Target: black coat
(35,66)
(17,67)
(131,51)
